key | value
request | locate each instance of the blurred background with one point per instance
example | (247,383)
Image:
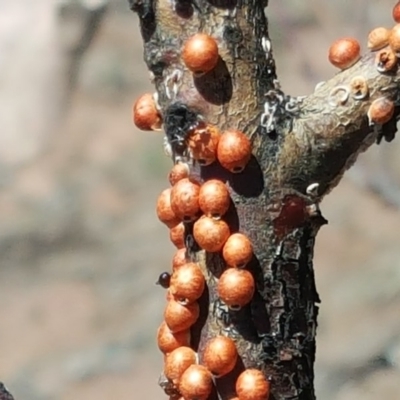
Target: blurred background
(80,244)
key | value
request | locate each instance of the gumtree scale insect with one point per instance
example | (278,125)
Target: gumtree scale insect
(200,53)
(178,172)
(164,209)
(179,258)
(234,150)
(180,317)
(394,39)
(396,12)
(196,383)
(177,362)
(214,198)
(210,234)
(220,355)
(380,111)
(177,235)
(359,88)
(238,250)
(145,114)
(168,341)
(203,142)
(187,283)
(236,287)
(185,199)
(386,60)
(252,385)
(344,53)
(378,38)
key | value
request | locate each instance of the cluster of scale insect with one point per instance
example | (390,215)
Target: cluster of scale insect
(298,217)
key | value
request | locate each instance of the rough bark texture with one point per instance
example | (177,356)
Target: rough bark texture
(301,148)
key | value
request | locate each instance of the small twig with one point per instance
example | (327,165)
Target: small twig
(4,393)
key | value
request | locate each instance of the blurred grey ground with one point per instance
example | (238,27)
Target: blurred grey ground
(81,247)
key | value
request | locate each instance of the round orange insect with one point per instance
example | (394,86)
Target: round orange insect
(200,53)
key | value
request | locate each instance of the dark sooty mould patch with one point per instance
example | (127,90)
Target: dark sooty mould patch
(178,120)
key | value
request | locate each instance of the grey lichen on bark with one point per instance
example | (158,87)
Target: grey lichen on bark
(301,148)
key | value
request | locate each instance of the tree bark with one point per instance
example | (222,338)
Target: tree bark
(301,148)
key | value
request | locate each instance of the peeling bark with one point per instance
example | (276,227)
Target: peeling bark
(301,148)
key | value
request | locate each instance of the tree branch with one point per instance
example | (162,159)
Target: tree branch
(4,394)
(301,147)
(327,135)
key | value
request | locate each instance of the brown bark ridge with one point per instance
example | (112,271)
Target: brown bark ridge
(4,394)
(301,148)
